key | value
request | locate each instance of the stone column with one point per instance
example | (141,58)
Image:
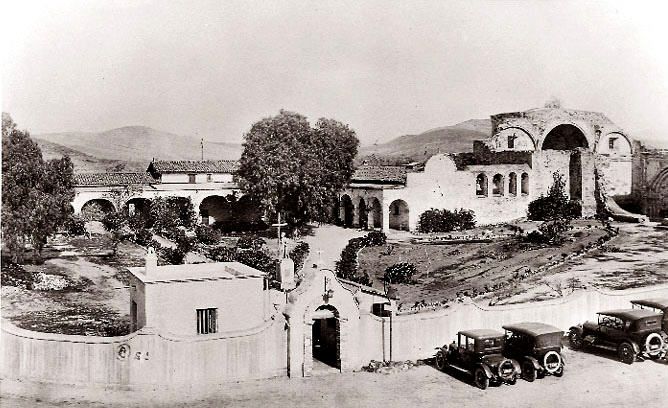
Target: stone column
(385,215)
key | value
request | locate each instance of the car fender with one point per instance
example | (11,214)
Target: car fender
(535,362)
(488,371)
(636,347)
(516,365)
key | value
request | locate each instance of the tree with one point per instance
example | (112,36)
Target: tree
(36,194)
(294,169)
(556,210)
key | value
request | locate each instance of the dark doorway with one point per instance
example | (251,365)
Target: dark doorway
(348,210)
(565,137)
(325,339)
(363,220)
(575,176)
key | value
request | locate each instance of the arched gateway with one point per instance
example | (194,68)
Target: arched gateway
(323,319)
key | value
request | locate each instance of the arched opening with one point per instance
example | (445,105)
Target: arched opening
(399,215)
(96,209)
(347,209)
(497,182)
(512,184)
(565,137)
(215,209)
(525,183)
(326,338)
(138,206)
(569,137)
(481,185)
(377,213)
(363,216)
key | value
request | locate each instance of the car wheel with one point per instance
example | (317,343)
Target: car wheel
(512,381)
(529,371)
(575,340)
(626,353)
(654,356)
(440,361)
(559,372)
(480,379)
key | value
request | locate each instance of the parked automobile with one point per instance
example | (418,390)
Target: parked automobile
(537,347)
(659,305)
(479,353)
(632,333)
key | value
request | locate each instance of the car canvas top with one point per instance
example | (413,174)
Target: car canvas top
(656,303)
(630,314)
(533,329)
(481,333)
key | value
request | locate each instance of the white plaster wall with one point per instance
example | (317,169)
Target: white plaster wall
(617,173)
(622,146)
(171,307)
(174,178)
(442,186)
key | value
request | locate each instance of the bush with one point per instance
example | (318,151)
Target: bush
(258,260)
(400,273)
(375,238)
(75,225)
(14,275)
(556,204)
(253,243)
(299,254)
(223,254)
(346,266)
(143,237)
(435,220)
(184,242)
(173,256)
(207,235)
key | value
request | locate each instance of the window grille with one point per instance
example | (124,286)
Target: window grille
(207,321)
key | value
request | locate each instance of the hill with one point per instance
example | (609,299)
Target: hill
(85,163)
(456,138)
(132,145)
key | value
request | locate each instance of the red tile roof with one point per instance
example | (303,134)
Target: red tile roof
(112,179)
(380,174)
(193,166)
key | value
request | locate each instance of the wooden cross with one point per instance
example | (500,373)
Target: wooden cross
(278,226)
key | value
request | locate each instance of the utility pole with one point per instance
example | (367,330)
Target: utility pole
(201,144)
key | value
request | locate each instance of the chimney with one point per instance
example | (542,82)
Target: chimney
(151,262)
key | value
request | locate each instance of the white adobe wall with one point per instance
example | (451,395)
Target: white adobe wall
(171,307)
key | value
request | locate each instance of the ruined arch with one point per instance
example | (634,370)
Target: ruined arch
(96,209)
(399,215)
(565,136)
(656,199)
(347,210)
(138,205)
(524,184)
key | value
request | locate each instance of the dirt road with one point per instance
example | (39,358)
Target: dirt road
(590,380)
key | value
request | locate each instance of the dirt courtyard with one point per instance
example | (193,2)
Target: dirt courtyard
(590,380)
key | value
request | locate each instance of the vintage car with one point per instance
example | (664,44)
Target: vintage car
(479,353)
(632,333)
(537,347)
(659,305)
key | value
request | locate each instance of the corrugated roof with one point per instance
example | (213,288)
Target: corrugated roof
(193,166)
(380,174)
(112,179)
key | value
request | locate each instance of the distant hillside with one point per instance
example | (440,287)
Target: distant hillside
(456,138)
(85,163)
(135,144)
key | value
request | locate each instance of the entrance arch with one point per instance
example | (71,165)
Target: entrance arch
(214,208)
(348,210)
(399,215)
(326,337)
(138,205)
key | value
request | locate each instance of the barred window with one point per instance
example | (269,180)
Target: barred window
(207,321)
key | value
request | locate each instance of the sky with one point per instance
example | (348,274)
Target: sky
(387,68)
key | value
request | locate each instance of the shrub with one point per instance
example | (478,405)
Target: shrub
(258,260)
(346,266)
(400,273)
(143,237)
(253,243)
(184,242)
(223,254)
(435,220)
(13,274)
(375,238)
(207,235)
(173,256)
(556,204)
(75,225)
(299,254)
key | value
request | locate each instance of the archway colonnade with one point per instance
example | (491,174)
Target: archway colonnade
(369,213)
